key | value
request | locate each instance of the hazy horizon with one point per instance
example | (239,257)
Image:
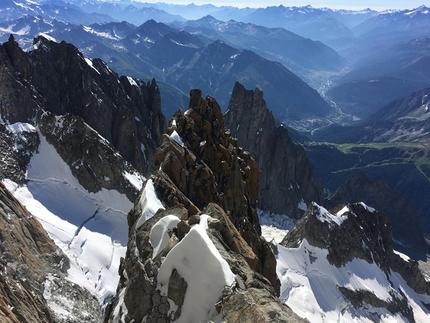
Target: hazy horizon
(334,4)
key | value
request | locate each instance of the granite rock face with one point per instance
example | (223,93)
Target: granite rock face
(286,176)
(56,77)
(204,183)
(94,162)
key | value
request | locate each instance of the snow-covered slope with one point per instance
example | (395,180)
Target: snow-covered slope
(310,286)
(357,290)
(90,228)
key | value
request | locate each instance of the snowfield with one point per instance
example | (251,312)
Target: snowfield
(309,283)
(91,229)
(310,287)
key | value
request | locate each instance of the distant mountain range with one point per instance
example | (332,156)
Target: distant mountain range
(379,57)
(181,60)
(301,55)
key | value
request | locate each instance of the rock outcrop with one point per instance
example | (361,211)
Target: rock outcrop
(32,283)
(379,194)
(194,239)
(56,77)
(286,175)
(351,233)
(94,162)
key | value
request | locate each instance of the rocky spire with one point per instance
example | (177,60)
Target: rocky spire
(203,177)
(286,175)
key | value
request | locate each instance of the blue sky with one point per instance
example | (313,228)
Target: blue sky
(347,4)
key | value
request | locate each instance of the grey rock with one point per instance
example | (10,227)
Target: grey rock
(57,78)
(286,175)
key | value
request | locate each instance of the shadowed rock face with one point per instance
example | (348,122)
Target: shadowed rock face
(379,194)
(32,283)
(202,172)
(286,175)
(55,77)
(25,251)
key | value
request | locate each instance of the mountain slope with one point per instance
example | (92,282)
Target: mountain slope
(403,217)
(340,264)
(402,120)
(397,20)
(365,95)
(73,84)
(382,75)
(185,60)
(34,286)
(305,21)
(64,171)
(62,11)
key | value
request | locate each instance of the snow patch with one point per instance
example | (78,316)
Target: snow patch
(47,37)
(402,255)
(325,216)
(159,235)
(120,311)
(149,203)
(302,205)
(176,137)
(90,64)
(342,211)
(309,284)
(197,261)
(90,228)
(368,208)
(100,34)
(18,128)
(132,81)
(135,179)
(275,226)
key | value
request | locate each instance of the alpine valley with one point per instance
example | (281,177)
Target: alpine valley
(195,163)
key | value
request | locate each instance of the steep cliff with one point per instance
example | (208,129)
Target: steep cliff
(286,175)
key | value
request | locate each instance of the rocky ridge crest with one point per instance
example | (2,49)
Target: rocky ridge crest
(203,176)
(55,77)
